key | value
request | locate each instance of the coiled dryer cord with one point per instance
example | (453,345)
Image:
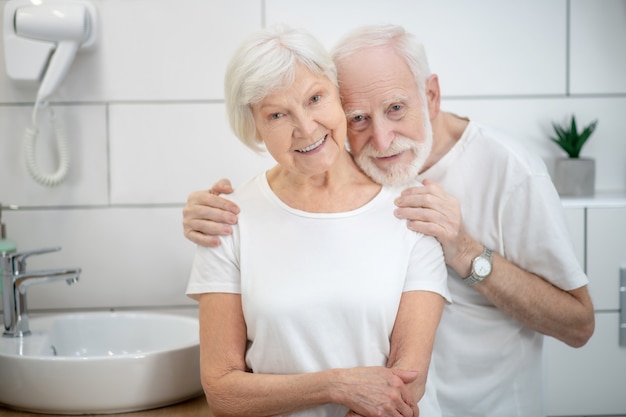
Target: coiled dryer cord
(63,154)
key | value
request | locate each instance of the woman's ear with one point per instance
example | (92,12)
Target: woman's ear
(257,136)
(433,96)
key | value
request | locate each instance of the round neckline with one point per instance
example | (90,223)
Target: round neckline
(269,193)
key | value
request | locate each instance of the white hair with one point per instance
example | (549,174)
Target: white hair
(393,36)
(265,62)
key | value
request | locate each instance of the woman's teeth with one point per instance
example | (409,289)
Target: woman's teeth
(311,147)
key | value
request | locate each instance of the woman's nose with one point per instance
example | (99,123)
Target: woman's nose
(305,125)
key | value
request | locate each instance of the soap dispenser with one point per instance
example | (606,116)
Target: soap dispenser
(6,246)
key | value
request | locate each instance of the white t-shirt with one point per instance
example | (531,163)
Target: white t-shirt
(488,364)
(319,290)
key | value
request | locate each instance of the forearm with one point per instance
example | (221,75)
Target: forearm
(232,391)
(369,391)
(229,388)
(533,301)
(536,303)
(413,336)
(244,394)
(565,315)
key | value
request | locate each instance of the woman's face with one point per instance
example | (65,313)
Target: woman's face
(303,126)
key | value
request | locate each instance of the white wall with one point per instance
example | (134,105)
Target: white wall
(145,117)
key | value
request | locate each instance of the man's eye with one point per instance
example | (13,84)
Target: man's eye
(358,118)
(316,98)
(396,107)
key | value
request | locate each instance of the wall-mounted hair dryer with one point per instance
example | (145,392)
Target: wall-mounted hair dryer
(41,39)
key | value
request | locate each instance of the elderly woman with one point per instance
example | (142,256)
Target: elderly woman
(321,302)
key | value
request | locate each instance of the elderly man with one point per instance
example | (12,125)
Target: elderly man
(512,271)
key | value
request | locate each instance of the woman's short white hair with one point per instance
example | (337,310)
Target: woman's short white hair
(396,37)
(265,62)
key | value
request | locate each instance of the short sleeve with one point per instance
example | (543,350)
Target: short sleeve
(216,269)
(427,270)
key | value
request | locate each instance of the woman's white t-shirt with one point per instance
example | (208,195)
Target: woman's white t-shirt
(319,290)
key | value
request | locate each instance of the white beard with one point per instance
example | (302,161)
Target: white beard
(399,173)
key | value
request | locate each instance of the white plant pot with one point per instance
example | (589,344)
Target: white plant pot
(575,177)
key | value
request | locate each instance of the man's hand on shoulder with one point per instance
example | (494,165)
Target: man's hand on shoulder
(206,216)
(430,210)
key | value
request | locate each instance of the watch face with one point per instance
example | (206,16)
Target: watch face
(482,267)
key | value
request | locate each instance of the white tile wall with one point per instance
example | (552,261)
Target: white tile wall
(154,50)
(145,117)
(86,130)
(483,48)
(128,256)
(161,151)
(598,47)
(529,120)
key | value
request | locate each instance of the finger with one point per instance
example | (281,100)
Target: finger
(223,186)
(422,198)
(406,376)
(208,221)
(443,212)
(207,227)
(409,397)
(427,228)
(211,207)
(427,186)
(405,410)
(199,199)
(428,208)
(224,204)
(421,214)
(205,232)
(221,209)
(202,239)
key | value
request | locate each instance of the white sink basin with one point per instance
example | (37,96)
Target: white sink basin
(101,363)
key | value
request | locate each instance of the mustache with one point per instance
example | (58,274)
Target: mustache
(398,145)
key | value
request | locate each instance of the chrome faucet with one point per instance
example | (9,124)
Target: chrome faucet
(15,282)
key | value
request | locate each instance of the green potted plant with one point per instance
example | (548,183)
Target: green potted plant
(574,176)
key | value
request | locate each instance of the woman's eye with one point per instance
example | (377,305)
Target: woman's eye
(276,116)
(316,98)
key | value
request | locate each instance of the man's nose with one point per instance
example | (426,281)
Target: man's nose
(382,135)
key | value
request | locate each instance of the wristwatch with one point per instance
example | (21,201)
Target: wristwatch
(481,267)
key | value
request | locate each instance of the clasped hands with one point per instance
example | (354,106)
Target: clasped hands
(377,391)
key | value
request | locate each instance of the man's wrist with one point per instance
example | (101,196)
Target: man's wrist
(482,266)
(464,263)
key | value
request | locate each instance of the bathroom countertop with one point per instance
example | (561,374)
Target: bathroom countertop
(196,407)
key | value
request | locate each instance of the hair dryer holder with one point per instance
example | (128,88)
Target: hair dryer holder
(41,39)
(27,58)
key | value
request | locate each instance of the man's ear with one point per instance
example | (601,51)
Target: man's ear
(433,96)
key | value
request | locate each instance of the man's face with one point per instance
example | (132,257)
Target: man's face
(388,124)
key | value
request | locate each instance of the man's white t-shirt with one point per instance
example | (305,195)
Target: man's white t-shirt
(319,290)
(488,364)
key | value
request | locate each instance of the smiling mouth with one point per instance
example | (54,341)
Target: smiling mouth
(388,157)
(313,146)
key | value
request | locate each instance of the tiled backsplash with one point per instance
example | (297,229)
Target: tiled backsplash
(146,123)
